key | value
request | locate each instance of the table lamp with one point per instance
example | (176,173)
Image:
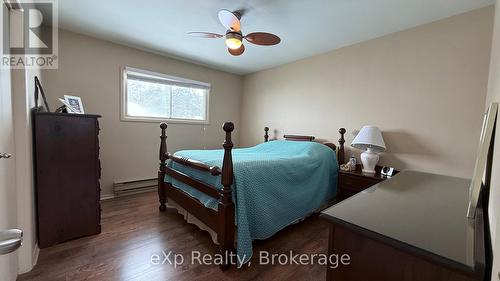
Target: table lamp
(369,139)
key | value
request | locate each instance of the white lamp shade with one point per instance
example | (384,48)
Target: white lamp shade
(369,137)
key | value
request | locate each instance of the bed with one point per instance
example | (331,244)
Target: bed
(257,192)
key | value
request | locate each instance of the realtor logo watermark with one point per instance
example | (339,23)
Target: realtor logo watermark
(29,34)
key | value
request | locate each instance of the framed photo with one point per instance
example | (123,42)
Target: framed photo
(481,170)
(69,109)
(75,103)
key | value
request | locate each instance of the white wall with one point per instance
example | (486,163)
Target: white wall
(494,96)
(424,87)
(90,68)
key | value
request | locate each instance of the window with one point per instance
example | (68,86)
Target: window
(149,96)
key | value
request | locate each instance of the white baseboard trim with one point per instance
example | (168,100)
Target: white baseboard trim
(115,195)
(107,196)
(129,187)
(135,191)
(36,253)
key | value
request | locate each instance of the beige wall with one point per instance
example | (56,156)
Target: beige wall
(424,87)
(90,68)
(494,96)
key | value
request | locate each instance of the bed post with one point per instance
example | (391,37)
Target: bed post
(266,135)
(341,154)
(225,211)
(163,164)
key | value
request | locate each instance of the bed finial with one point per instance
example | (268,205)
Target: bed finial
(266,135)
(163,145)
(225,235)
(341,146)
(228,127)
(163,164)
(227,164)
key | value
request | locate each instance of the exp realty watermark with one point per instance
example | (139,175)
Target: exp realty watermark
(264,258)
(29,34)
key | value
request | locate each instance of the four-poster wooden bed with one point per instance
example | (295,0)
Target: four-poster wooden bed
(222,220)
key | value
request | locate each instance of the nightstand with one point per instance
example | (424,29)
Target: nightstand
(350,183)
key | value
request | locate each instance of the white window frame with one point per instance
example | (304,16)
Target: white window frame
(123,95)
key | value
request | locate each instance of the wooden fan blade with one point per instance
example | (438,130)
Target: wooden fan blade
(230,20)
(205,34)
(263,38)
(238,51)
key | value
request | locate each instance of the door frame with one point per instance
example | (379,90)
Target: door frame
(9,263)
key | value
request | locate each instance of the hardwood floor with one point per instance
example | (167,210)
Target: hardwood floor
(133,230)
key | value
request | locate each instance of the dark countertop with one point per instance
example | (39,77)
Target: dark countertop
(420,212)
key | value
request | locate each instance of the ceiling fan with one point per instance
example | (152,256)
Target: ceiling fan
(234,37)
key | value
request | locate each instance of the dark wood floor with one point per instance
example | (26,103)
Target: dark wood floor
(133,229)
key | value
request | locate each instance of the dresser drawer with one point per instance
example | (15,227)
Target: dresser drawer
(352,182)
(348,192)
(356,183)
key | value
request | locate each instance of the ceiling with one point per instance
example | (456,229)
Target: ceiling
(306,27)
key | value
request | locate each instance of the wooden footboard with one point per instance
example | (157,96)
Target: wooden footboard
(222,220)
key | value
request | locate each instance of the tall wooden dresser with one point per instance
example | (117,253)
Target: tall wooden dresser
(67,174)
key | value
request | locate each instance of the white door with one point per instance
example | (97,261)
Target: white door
(8,196)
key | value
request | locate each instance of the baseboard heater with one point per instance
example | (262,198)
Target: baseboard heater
(122,188)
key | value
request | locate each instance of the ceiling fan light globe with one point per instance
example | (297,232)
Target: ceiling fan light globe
(233,43)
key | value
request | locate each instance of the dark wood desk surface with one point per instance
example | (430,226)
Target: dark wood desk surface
(418,212)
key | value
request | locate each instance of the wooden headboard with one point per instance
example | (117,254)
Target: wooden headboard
(340,151)
(298,138)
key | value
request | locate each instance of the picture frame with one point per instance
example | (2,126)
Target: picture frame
(75,103)
(481,174)
(69,108)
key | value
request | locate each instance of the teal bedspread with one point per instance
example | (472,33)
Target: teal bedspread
(275,184)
